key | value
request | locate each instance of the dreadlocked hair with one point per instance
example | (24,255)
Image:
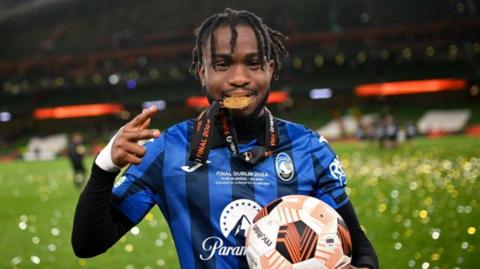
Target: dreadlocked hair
(270,42)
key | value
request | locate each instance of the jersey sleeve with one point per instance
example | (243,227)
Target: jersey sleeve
(329,174)
(135,193)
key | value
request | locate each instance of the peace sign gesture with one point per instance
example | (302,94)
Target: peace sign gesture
(125,147)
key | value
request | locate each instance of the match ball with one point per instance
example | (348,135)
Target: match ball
(298,232)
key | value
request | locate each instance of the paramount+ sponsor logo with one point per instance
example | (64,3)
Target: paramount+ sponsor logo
(234,221)
(214,245)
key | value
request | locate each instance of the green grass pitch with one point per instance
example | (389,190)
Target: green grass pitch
(419,204)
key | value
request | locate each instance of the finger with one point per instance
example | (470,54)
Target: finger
(133,159)
(122,157)
(140,119)
(135,149)
(145,124)
(142,134)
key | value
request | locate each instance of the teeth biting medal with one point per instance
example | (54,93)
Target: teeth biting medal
(237,101)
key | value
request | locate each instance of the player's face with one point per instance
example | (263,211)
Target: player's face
(237,73)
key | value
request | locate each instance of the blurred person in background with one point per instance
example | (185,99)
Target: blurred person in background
(76,152)
(390,132)
(208,175)
(410,130)
(379,133)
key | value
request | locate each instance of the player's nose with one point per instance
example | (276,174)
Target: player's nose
(239,76)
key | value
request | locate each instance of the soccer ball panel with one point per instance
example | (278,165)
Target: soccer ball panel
(266,210)
(344,236)
(330,251)
(296,241)
(262,236)
(284,214)
(312,222)
(253,258)
(274,259)
(309,264)
(323,212)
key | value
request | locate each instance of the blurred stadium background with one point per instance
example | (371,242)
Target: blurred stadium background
(355,68)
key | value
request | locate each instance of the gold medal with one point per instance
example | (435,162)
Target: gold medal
(237,102)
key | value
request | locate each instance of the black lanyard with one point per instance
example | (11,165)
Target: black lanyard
(206,136)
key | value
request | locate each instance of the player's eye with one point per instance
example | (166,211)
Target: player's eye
(254,65)
(221,65)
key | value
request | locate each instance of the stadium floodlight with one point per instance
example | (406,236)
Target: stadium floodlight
(411,87)
(160,104)
(77,111)
(131,84)
(142,61)
(5,116)
(114,79)
(323,93)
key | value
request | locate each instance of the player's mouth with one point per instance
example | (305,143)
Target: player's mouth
(238,99)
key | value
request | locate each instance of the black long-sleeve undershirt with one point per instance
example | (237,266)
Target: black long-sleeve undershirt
(363,252)
(97,225)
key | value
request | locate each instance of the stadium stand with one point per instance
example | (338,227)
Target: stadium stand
(346,126)
(72,48)
(45,148)
(443,121)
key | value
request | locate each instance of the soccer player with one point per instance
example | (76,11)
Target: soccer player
(210,175)
(76,152)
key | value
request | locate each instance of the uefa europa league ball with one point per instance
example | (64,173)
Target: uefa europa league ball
(298,232)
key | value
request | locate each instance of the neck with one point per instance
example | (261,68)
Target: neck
(250,128)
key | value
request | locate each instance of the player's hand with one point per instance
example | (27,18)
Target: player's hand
(125,147)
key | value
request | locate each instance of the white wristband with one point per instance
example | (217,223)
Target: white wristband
(104,158)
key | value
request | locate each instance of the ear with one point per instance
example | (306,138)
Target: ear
(270,64)
(201,73)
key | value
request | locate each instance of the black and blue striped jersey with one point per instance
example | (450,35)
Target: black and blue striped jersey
(209,207)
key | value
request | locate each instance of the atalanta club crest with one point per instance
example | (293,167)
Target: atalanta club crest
(284,167)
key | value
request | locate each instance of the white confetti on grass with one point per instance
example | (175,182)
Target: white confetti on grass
(55,231)
(52,247)
(135,230)
(161,262)
(35,259)
(16,260)
(22,225)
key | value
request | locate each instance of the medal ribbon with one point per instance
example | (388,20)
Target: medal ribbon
(214,127)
